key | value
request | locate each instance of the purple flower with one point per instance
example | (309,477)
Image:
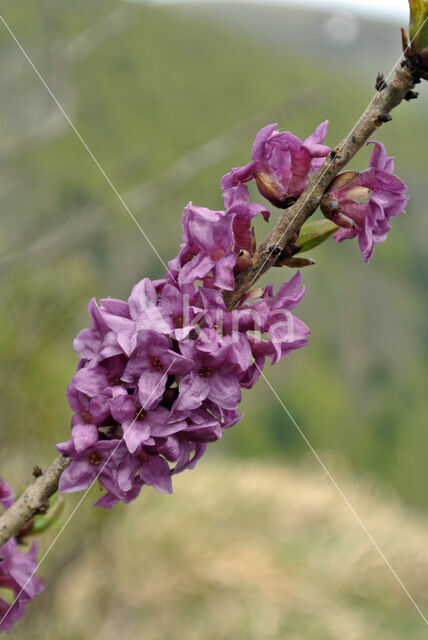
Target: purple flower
(237,203)
(368,201)
(211,377)
(109,499)
(161,374)
(150,365)
(17,572)
(177,312)
(208,248)
(163,400)
(139,426)
(144,310)
(185,453)
(90,413)
(6,495)
(286,332)
(88,465)
(97,378)
(146,468)
(88,342)
(281,163)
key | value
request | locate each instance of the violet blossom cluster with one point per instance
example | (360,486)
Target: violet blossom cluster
(160,375)
(281,164)
(17,572)
(367,201)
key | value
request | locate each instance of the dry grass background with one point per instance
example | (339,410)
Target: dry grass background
(240,551)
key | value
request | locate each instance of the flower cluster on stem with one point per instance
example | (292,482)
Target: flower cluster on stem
(160,375)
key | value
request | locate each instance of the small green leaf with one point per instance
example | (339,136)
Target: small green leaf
(43,522)
(418,28)
(314,233)
(8,595)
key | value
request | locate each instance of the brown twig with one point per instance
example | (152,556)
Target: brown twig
(32,500)
(295,216)
(290,223)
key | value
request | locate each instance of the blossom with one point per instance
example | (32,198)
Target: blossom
(140,426)
(368,201)
(281,163)
(150,410)
(150,365)
(6,495)
(208,237)
(185,453)
(237,203)
(88,465)
(416,51)
(17,572)
(161,374)
(213,377)
(214,242)
(146,468)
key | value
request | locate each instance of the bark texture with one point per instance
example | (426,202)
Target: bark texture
(34,499)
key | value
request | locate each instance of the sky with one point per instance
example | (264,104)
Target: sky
(391,10)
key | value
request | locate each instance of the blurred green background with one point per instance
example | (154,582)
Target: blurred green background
(168,99)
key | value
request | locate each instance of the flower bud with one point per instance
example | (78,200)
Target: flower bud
(343,180)
(418,27)
(243,262)
(416,51)
(271,189)
(254,294)
(330,207)
(295,262)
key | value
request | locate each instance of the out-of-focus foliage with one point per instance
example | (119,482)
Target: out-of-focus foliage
(145,86)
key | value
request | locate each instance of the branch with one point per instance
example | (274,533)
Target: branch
(290,223)
(32,500)
(292,220)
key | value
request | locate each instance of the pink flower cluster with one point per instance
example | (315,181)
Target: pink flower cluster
(160,377)
(17,572)
(281,165)
(161,374)
(368,201)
